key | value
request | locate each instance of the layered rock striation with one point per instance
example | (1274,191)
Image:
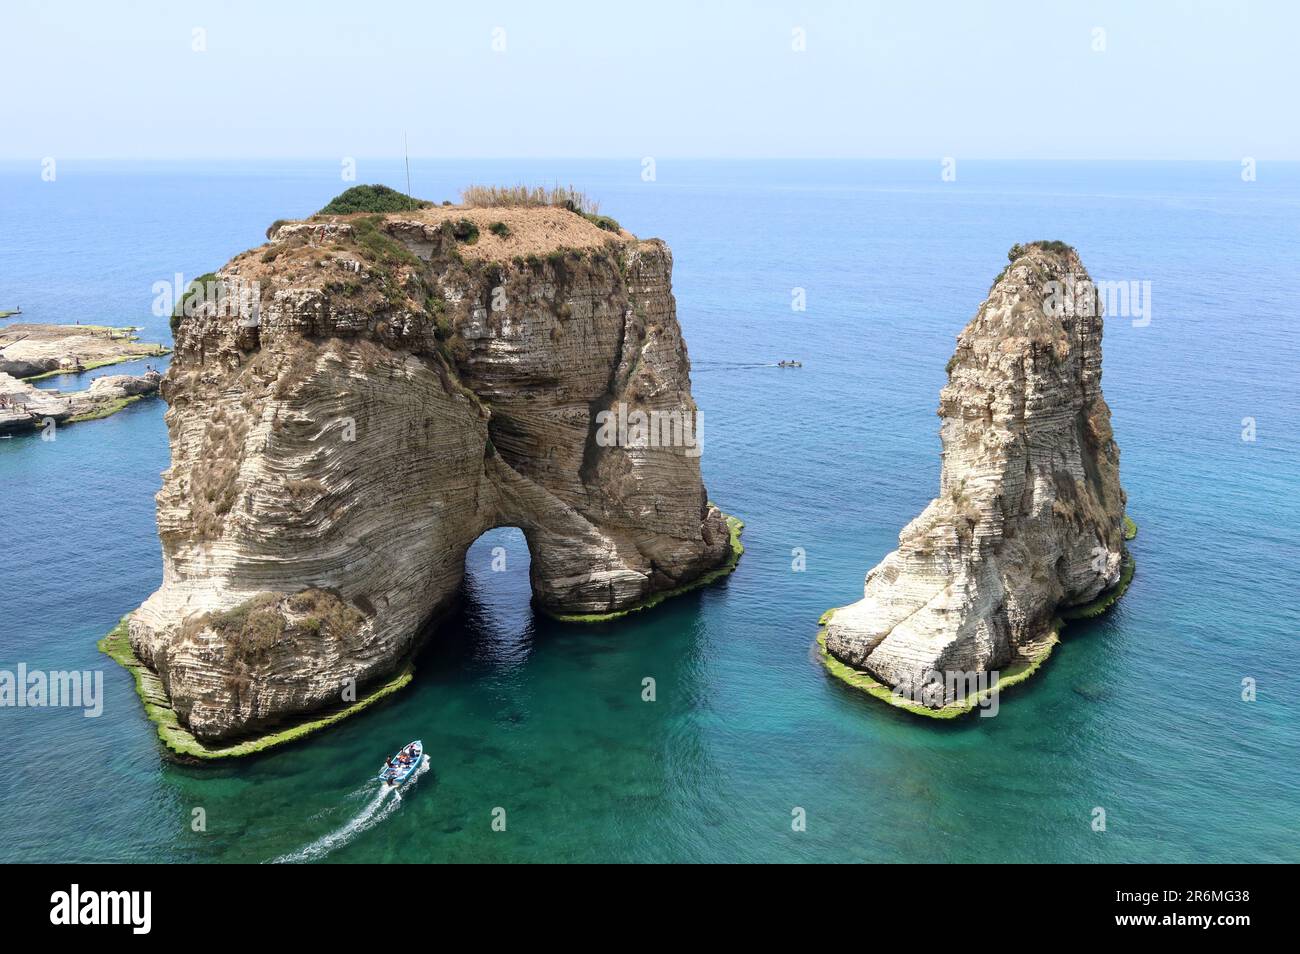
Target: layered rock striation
(354,403)
(1029,520)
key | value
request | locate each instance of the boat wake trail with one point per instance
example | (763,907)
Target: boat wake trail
(730,365)
(384,802)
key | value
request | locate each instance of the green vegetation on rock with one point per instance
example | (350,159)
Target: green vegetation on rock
(371,198)
(1053,245)
(1014,674)
(179,740)
(464,230)
(602,221)
(106,409)
(197,288)
(1106,600)
(1047,245)
(380,247)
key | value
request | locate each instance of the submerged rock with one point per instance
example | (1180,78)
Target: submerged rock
(354,403)
(1029,520)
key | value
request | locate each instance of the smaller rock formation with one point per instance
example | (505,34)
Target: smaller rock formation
(1029,523)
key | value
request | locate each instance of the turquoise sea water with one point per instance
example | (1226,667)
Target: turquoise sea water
(1139,713)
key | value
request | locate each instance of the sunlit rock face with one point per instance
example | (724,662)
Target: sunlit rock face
(1030,510)
(364,396)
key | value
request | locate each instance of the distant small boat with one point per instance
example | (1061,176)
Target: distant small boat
(789,364)
(397,770)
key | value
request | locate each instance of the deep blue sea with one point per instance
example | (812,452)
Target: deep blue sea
(1140,713)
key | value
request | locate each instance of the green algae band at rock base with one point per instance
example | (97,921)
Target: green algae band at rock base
(734,527)
(1016,673)
(182,742)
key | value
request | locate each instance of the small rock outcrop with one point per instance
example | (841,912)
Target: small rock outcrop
(1029,520)
(354,403)
(24,406)
(29,350)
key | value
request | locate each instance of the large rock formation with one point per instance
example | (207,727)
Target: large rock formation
(1029,517)
(354,403)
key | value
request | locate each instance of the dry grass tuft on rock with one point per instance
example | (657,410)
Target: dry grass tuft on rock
(323,613)
(528,197)
(246,631)
(250,629)
(522,196)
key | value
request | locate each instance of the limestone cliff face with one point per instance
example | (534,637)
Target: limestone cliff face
(402,384)
(1030,509)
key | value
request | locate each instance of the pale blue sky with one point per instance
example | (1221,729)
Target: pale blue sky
(1017,79)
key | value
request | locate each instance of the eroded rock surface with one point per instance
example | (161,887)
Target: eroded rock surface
(1030,509)
(408,382)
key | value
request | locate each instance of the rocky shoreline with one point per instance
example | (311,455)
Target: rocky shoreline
(30,352)
(35,351)
(735,527)
(24,407)
(184,745)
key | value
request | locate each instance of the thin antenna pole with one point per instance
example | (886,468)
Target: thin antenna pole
(410,203)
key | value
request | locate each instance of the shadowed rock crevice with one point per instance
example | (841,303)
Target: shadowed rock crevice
(406,390)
